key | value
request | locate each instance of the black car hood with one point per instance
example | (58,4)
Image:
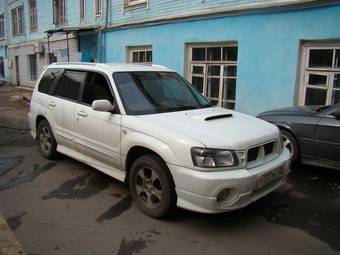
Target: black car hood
(295,111)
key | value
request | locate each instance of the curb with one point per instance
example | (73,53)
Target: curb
(9,245)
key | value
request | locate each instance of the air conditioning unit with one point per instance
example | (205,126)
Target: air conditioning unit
(38,47)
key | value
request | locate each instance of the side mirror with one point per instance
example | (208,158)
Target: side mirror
(336,114)
(102,106)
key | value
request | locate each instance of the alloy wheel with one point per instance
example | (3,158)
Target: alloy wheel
(45,139)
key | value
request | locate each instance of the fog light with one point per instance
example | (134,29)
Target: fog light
(223,195)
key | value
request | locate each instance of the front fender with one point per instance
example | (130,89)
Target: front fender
(132,139)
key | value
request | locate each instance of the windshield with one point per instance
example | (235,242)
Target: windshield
(156,92)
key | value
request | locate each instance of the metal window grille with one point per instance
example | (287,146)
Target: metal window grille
(59,12)
(2,26)
(82,9)
(98,7)
(33,15)
(33,67)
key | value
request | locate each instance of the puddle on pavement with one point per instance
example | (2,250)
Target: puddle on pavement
(130,247)
(117,209)
(81,187)
(7,164)
(37,170)
(15,221)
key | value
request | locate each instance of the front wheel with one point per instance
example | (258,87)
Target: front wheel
(152,186)
(291,144)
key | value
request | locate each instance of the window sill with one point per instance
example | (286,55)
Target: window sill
(135,6)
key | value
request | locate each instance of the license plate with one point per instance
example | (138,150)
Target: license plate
(269,177)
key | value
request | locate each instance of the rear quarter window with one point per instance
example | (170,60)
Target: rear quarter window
(48,79)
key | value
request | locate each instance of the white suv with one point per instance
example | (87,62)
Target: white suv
(147,126)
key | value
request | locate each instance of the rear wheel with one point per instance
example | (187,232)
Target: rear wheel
(152,186)
(47,143)
(291,144)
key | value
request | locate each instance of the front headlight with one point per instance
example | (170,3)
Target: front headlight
(209,158)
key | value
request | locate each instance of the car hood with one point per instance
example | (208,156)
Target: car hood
(225,130)
(293,111)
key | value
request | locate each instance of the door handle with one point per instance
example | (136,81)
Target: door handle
(82,114)
(52,104)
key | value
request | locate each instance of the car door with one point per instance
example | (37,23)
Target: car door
(98,133)
(62,104)
(327,138)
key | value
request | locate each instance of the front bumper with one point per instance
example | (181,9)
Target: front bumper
(197,190)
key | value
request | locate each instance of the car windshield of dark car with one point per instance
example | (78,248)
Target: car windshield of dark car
(156,92)
(328,108)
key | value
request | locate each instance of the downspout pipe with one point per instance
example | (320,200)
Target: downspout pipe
(101,39)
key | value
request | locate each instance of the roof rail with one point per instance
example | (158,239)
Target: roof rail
(159,66)
(74,63)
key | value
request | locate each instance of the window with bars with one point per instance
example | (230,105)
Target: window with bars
(140,54)
(134,3)
(82,5)
(59,12)
(2,67)
(98,7)
(32,59)
(2,25)
(33,15)
(213,71)
(321,83)
(17,21)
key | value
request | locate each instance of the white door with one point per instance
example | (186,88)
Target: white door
(98,133)
(61,107)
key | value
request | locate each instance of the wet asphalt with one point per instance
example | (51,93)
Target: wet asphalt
(66,207)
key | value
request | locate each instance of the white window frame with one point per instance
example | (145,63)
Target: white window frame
(305,71)
(190,64)
(143,48)
(82,2)
(2,26)
(33,16)
(98,12)
(18,22)
(133,4)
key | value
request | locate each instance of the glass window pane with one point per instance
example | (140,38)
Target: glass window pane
(198,83)
(229,53)
(320,58)
(214,70)
(337,59)
(336,82)
(47,80)
(135,57)
(197,69)
(317,80)
(336,96)
(229,105)
(230,71)
(214,54)
(69,84)
(229,89)
(315,96)
(198,54)
(213,87)
(141,57)
(149,56)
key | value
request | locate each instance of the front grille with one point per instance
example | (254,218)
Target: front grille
(252,154)
(262,152)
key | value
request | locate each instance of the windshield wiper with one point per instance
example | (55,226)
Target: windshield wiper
(178,108)
(207,106)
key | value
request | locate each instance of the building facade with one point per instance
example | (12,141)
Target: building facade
(248,55)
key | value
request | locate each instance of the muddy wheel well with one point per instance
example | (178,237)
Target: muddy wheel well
(37,121)
(133,154)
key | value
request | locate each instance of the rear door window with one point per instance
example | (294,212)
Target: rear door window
(48,79)
(69,85)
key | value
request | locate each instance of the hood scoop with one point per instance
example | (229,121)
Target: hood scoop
(221,116)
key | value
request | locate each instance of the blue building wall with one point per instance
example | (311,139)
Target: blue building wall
(268,47)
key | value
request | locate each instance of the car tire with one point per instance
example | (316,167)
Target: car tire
(152,187)
(290,142)
(46,140)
